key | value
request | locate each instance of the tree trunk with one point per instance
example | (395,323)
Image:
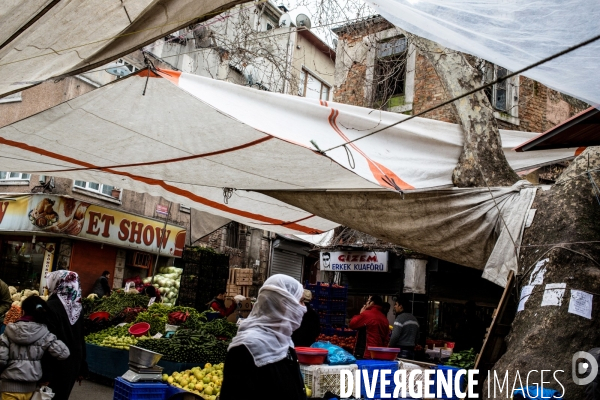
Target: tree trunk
(482,160)
(541,338)
(547,337)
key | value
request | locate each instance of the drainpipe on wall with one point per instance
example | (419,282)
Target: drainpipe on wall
(270,254)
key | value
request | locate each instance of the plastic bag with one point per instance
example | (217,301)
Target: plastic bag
(336,355)
(43,393)
(534,393)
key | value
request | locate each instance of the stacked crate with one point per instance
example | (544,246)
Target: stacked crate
(330,302)
(239,282)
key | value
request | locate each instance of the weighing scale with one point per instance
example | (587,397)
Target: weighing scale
(138,373)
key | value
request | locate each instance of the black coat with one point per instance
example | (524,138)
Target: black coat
(243,380)
(309,329)
(63,374)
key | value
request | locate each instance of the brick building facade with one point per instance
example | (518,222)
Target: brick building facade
(529,105)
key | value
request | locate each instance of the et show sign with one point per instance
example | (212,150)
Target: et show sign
(370,261)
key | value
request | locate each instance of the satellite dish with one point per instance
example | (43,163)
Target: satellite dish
(303,20)
(285,21)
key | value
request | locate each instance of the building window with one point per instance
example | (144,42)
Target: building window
(233,235)
(504,96)
(99,188)
(14,176)
(11,98)
(312,87)
(390,73)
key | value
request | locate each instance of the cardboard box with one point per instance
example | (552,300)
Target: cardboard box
(243,276)
(233,317)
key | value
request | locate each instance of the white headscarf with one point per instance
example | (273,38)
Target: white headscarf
(65,284)
(277,313)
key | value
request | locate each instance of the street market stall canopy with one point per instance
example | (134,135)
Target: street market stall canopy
(578,132)
(213,146)
(42,39)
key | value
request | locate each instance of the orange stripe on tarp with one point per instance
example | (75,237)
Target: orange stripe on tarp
(382,174)
(171,75)
(580,150)
(213,153)
(164,185)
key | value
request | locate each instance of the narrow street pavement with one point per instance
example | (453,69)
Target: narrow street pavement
(90,390)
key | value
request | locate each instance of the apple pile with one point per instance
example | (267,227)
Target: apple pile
(205,382)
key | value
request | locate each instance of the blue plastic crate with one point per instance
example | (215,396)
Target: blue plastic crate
(125,390)
(336,305)
(446,369)
(371,366)
(339,292)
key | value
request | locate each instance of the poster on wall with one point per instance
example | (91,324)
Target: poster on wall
(370,261)
(67,216)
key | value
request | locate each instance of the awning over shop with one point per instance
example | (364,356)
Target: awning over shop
(42,39)
(213,146)
(578,132)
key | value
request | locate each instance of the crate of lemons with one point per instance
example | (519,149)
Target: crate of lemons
(205,382)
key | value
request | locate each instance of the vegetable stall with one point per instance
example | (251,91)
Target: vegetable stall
(183,335)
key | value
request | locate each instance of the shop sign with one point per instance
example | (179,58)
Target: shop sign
(372,261)
(164,210)
(71,217)
(47,265)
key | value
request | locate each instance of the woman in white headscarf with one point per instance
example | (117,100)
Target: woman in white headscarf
(65,321)
(261,361)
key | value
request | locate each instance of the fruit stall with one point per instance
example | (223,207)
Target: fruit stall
(183,336)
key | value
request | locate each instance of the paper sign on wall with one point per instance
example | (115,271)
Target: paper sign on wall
(553,294)
(525,293)
(581,303)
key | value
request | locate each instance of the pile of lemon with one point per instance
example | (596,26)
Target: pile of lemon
(205,382)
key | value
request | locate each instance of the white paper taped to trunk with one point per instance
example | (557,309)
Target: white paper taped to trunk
(553,294)
(525,293)
(581,303)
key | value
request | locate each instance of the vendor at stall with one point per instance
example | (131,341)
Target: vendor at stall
(373,324)
(218,304)
(310,327)
(406,329)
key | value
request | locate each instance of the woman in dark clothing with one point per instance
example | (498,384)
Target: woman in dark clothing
(261,361)
(310,327)
(65,320)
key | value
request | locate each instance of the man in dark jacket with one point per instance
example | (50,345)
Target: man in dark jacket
(310,327)
(101,287)
(376,325)
(406,329)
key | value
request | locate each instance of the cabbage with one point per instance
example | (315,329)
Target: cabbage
(162,270)
(177,285)
(147,280)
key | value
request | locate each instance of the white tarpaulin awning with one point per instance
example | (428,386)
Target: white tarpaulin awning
(512,34)
(42,39)
(213,146)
